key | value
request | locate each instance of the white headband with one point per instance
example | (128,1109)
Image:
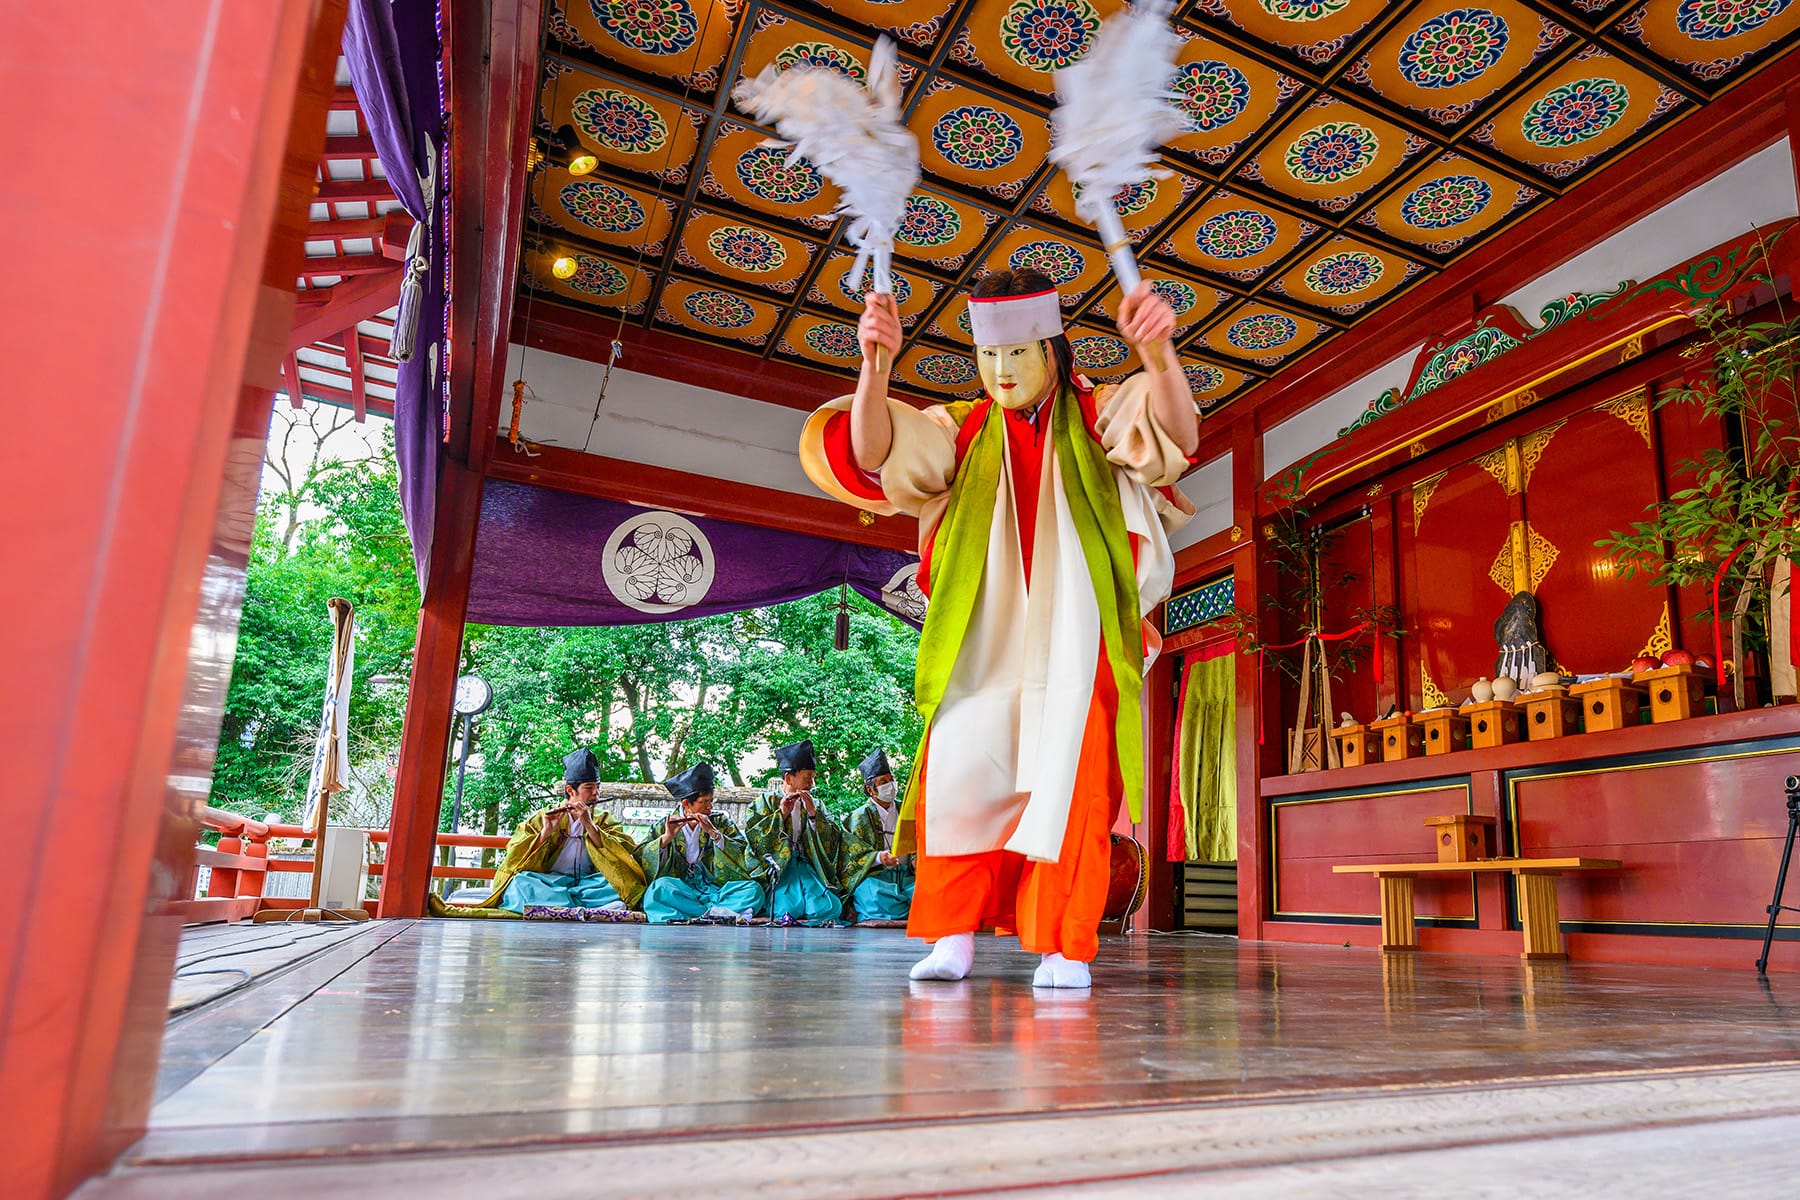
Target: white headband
(1015,320)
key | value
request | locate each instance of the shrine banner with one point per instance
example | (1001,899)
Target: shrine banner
(550,558)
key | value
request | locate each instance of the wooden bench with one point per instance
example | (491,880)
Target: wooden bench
(1537,896)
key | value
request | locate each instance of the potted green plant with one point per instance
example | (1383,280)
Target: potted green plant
(1734,527)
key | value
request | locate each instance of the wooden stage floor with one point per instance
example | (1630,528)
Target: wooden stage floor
(531,1042)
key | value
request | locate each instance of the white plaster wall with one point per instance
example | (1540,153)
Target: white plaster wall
(1210,490)
(662,422)
(1298,436)
(1756,191)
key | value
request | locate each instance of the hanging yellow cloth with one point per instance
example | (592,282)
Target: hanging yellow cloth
(1206,759)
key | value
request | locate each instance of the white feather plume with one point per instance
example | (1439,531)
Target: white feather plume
(855,137)
(1114,108)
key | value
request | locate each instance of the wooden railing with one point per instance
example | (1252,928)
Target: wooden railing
(240,866)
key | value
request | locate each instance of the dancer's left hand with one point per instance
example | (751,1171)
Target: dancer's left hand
(1145,318)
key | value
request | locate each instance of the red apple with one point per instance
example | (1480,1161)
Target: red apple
(1644,663)
(1678,658)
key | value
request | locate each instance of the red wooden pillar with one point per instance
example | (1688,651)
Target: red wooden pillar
(1159,722)
(150,324)
(1249,578)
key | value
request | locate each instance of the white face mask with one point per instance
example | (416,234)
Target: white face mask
(885,792)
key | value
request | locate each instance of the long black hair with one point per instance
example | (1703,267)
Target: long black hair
(1026,282)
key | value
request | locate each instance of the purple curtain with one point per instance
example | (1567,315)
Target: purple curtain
(550,558)
(392,48)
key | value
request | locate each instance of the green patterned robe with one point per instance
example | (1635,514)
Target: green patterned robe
(879,893)
(808,872)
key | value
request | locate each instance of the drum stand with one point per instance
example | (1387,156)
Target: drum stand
(1776,907)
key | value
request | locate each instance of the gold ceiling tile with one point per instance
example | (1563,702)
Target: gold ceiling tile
(1024,42)
(1446,57)
(1074,265)
(1211,384)
(621,125)
(913,294)
(1711,40)
(746,170)
(1102,355)
(1344,275)
(941,229)
(1578,112)
(1226,96)
(1191,301)
(716,312)
(1236,237)
(1141,206)
(825,341)
(917,22)
(742,252)
(978,141)
(684,40)
(1263,334)
(598,281)
(1315,31)
(1332,152)
(1446,202)
(601,210)
(942,374)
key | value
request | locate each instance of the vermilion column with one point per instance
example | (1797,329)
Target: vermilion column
(160,169)
(1249,578)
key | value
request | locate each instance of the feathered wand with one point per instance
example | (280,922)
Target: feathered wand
(856,138)
(1114,109)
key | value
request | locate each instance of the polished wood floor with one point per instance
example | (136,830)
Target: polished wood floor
(539,1041)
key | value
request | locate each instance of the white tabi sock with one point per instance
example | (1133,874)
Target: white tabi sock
(951,958)
(1055,971)
(617,906)
(719,912)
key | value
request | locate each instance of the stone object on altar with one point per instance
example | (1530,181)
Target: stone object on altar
(1522,650)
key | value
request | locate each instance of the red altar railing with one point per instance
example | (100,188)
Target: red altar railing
(240,866)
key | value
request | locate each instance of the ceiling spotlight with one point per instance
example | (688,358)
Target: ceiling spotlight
(564,267)
(562,149)
(582,164)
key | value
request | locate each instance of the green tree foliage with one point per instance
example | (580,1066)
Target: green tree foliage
(649,700)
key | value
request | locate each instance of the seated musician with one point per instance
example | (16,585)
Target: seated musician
(568,855)
(698,863)
(799,842)
(880,883)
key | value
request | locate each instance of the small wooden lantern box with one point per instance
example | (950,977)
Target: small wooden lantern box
(1357,744)
(1495,723)
(1550,713)
(1445,730)
(1675,692)
(1400,738)
(1462,837)
(1609,703)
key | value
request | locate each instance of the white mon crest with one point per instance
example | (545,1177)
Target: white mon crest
(658,562)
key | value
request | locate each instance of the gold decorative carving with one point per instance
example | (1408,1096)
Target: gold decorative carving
(1634,410)
(1503,465)
(1430,694)
(1375,489)
(1523,561)
(1632,349)
(1421,494)
(1662,638)
(1237,534)
(1417,450)
(864,517)
(1506,406)
(1533,447)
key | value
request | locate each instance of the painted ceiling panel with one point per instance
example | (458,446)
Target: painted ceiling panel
(1339,153)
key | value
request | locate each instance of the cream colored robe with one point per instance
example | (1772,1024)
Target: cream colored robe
(1004,745)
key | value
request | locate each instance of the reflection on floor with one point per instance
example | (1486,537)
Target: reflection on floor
(458,1035)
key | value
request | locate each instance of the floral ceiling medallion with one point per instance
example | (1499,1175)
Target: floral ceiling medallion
(619,120)
(1211,94)
(1446,201)
(1058,262)
(1303,10)
(720,310)
(765,171)
(1453,48)
(1048,35)
(1239,233)
(659,27)
(976,137)
(928,223)
(747,249)
(1332,152)
(1575,112)
(950,370)
(601,205)
(1716,20)
(1262,331)
(1344,274)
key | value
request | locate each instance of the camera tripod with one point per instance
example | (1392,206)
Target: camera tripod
(1776,907)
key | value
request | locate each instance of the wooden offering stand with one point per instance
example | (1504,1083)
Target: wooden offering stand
(1445,730)
(1676,693)
(1609,703)
(1357,744)
(1550,713)
(1495,723)
(1401,739)
(1463,837)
